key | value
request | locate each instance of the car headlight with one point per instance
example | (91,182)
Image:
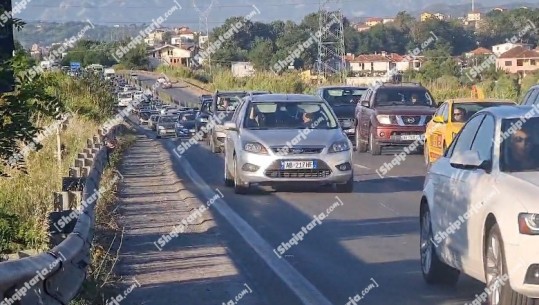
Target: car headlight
(528,223)
(204,120)
(255,147)
(219,128)
(160,127)
(383,119)
(339,146)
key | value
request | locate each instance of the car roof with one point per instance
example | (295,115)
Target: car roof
(343,87)
(277,97)
(511,111)
(471,100)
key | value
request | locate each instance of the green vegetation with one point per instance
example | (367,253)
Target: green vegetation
(27,184)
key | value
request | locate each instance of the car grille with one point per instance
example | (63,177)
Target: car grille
(411,120)
(297,150)
(275,171)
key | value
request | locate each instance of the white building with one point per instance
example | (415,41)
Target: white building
(499,49)
(242,69)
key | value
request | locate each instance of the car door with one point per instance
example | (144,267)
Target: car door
(232,136)
(452,194)
(477,188)
(365,117)
(435,133)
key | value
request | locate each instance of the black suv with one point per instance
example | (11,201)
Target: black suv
(343,100)
(392,115)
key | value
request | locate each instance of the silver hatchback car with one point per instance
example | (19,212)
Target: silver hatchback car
(284,138)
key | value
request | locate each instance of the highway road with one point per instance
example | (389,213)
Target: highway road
(372,238)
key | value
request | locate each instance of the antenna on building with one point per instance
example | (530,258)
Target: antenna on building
(331,51)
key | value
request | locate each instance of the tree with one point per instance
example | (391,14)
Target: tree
(260,54)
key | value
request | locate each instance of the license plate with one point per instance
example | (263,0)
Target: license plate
(298,164)
(411,137)
(192,130)
(170,130)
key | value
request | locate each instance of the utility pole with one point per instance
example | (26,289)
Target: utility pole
(203,18)
(331,51)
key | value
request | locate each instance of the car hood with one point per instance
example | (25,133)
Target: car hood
(344,111)
(527,184)
(406,110)
(277,137)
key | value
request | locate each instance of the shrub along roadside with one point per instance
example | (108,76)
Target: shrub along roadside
(25,200)
(443,88)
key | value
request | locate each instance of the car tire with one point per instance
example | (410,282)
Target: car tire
(239,187)
(229,182)
(347,187)
(433,269)
(501,291)
(374,147)
(361,145)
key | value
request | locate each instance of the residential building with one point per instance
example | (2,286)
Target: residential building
(499,49)
(185,32)
(519,60)
(361,27)
(242,69)
(499,9)
(473,16)
(202,39)
(381,63)
(374,21)
(388,20)
(170,55)
(478,52)
(426,16)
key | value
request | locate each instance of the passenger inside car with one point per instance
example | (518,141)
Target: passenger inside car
(459,115)
(520,151)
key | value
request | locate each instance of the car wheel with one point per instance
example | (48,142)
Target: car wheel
(496,273)
(361,145)
(434,270)
(228,181)
(347,187)
(239,187)
(374,147)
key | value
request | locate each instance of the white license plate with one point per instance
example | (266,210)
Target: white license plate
(170,130)
(298,164)
(192,130)
(411,137)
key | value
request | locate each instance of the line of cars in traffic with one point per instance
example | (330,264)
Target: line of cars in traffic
(477,213)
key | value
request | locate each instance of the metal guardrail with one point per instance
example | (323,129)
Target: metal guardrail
(56,276)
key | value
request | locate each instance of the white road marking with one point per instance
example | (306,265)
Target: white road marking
(304,290)
(392,210)
(361,166)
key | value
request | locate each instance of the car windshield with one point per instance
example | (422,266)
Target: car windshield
(403,96)
(463,111)
(227,103)
(289,115)
(343,96)
(145,115)
(125,95)
(187,117)
(168,119)
(520,146)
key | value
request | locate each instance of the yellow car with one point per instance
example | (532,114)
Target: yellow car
(447,122)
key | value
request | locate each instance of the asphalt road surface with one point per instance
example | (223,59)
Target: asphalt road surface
(372,238)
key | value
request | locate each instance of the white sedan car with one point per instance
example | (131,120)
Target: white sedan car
(479,212)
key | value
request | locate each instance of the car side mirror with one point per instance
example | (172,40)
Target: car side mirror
(438,119)
(468,159)
(365,103)
(230,126)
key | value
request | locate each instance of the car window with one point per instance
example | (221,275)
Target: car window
(483,141)
(532,98)
(440,109)
(525,99)
(445,113)
(466,136)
